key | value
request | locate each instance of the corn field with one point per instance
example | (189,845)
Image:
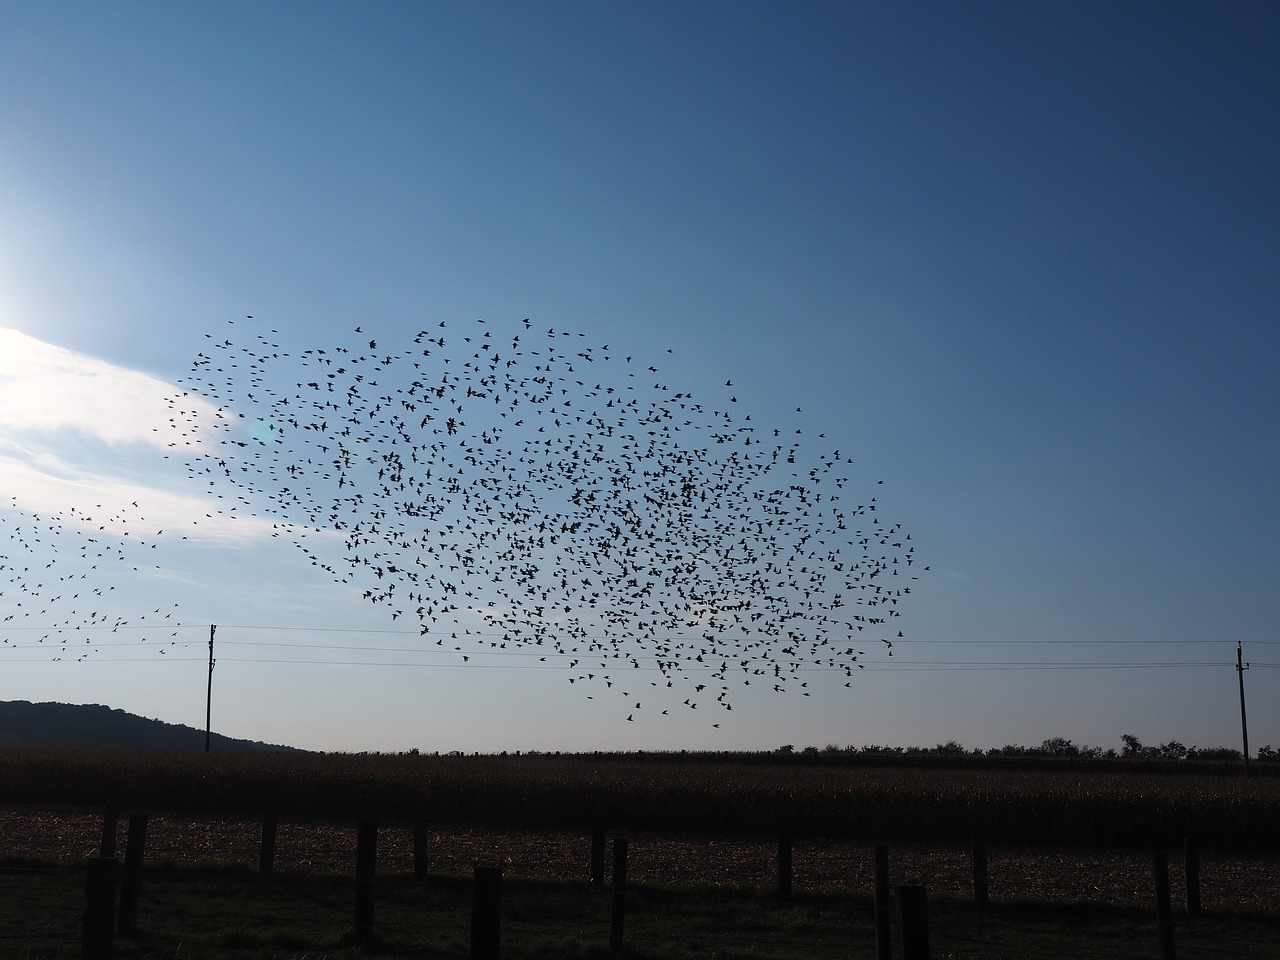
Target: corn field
(1105,807)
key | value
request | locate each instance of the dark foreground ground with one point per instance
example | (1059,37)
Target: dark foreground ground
(690,896)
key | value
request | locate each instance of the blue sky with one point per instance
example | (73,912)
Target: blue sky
(1017,260)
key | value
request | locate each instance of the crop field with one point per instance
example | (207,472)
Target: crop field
(1101,806)
(1069,855)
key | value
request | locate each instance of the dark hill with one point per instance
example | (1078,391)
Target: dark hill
(24,724)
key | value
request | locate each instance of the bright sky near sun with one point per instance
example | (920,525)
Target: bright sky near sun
(1018,261)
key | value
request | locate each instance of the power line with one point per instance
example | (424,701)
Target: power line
(474,632)
(473,643)
(627,668)
(625,662)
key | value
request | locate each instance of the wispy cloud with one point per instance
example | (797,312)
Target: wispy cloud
(48,388)
(83,440)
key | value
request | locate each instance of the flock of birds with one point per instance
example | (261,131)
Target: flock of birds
(61,571)
(532,491)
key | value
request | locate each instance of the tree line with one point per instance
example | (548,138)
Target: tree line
(1061,747)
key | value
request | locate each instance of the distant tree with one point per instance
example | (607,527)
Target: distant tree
(1059,747)
(1267,754)
(1132,746)
(1011,750)
(1216,754)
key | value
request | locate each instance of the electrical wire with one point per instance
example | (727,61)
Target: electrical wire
(470,645)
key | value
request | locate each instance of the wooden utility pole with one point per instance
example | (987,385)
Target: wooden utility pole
(208,700)
(1241,667)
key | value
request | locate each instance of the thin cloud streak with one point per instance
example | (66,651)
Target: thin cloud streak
(55,404)
(46,388)
(54,488)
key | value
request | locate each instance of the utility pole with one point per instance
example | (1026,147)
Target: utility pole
(209,696)
(1241,667)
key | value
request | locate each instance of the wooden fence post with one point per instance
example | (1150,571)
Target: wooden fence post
(884,929)
(1164,911)
(366,848)
(980,869)
(420,840)
(131,879)
(109,818)
(267,849)
(486,914)
(1191,866)
(99,908)
(913,922)
(784,863)
(366,866)
(597,856)
(617,910)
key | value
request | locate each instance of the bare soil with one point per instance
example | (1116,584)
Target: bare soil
(1062,874)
